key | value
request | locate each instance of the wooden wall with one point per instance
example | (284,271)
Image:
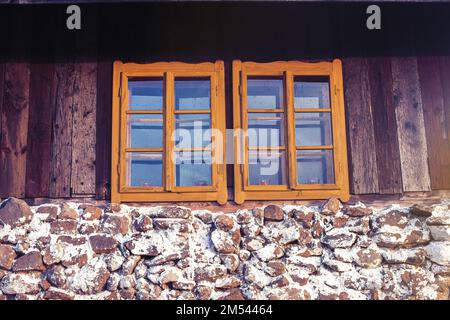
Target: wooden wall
(398,111)
(50,143)
(55,121)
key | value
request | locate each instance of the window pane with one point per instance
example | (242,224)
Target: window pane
(192,130)
(146,94)
(192,94)
(264,93)
(266,129)
(313,129)
(193,168)
(267,167)
(311,92)
(144,169)
(315,167)
(145,131)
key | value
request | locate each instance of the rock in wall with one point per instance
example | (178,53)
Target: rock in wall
(335,251)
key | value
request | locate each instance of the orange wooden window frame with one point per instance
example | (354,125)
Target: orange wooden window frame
(292,190)
(120,192)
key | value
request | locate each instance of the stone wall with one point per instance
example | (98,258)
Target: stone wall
(83,251)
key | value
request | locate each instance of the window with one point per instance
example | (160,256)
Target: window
(293,145)
(168,129)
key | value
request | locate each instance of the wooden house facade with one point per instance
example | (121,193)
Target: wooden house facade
(57,92)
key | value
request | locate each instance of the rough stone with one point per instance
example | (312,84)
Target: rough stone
(224,222)
(338,238)
(91,212)
(56,276)
(115,224)
(63,227)
(439,252)
(148,245)
(174,212)
(103,243)
(357,211)
(51,212)
(331,206)
(273,213)
(15,212)
(7,256)
(421,210)
(58,294)
(21,283)
(68,213)
(440,233)
(31,261)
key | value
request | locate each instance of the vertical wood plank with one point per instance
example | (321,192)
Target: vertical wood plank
(103,131)
(410,124)
(13,149)
(363,171)
(84,131)
(445,80)
(435,122)
(2,78)
(42,98)
(385,126)
(65,76)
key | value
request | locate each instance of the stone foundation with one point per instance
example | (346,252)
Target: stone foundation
(81,251)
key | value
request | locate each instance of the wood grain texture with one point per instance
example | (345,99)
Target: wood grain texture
(410,124)
(436,128)
(385,126)
(103,132)
(13,148)
(2,81)
(84,130)
(360,130)
(42,99)
(66,76)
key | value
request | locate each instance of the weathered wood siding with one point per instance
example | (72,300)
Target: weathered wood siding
(405,103)
(55,124)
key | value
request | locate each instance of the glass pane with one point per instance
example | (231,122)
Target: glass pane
(146,94)
(266,129)
(193,168)
(315,167)
(264,93)
(145,169)
(313,129)
(267,167)
(192,130)
(311,92)
(192,94)
(145,131)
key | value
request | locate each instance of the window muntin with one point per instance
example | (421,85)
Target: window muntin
(163,121)
(310,149)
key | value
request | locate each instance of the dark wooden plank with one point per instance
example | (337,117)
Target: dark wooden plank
(363,168)
(65,76)
(435,122)
(2,78)
(13,148)
(385,126)
(42,99)
(83,133)
(444,65)
(410,124)
(103,132)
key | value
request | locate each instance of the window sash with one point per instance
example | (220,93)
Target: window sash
(293,189)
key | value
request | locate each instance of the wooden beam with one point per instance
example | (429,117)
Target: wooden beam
(42,99)
(103,132)
(435,122)
(410,124)
(65,76)
(84,130)
(13,149)
(360,128)
(385,126)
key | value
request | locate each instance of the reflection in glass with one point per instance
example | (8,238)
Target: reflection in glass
(192,94)
(315,167)
(192,130)
(193,168)
(266,129)
(145,130)
(146,94)
(311,92)
(264,93)
(313,129)
(267,167)
(144,169)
